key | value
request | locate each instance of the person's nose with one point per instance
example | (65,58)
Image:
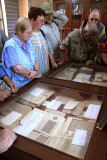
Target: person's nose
(43,23)
(94,21)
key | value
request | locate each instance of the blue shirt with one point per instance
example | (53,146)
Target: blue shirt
(2,72)
(11,57)
(15,54)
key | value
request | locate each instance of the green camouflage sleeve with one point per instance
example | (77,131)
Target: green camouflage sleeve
(66,42)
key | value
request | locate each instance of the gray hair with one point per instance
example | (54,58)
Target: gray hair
(91,27)
(22,24)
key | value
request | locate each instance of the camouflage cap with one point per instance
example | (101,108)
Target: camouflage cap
(47,8)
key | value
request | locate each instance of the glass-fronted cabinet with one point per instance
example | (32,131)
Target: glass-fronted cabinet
(96,4)
(61,5)
(78,10)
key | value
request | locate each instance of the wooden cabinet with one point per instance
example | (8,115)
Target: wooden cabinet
(78,10)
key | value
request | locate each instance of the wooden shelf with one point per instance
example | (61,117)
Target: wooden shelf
(74,14)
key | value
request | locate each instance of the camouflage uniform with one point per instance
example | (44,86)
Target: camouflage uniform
(79,50)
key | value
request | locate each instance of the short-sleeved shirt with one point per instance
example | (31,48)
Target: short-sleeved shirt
(2,72)
(103,50)
(11,57)
(42,50)
(79,49)
(104,47)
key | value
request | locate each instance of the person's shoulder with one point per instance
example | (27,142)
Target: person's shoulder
(30,44)
(101,26)
(76,32)
(44,27)
(9,41)
(73,35)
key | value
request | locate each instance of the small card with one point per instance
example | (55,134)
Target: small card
(71,104)
(92,111)
(10,118)
(54,104)
(29,126)
(46,103)
(36,91)
(77,80)
(79,137)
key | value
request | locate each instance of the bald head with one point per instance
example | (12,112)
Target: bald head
(94,16)
(90,31)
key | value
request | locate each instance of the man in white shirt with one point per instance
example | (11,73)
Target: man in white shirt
(54,21)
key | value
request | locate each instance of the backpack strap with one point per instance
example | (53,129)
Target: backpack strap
(43,34)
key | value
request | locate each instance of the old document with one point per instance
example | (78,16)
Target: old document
(64,141)
(29,126)
(10,118)
(92,111)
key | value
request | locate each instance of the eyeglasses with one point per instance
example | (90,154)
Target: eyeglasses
(29,33)
(41,21)
(92,19)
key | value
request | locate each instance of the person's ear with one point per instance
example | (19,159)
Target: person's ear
(32,19)
(99,16)
(19,32)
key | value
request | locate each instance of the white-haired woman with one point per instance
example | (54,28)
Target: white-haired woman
(18,57)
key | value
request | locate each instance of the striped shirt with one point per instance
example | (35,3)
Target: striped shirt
(42,49)
(104,47)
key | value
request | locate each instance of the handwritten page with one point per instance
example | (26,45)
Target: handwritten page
(79,137)
(71,104)
(36,91)
(92,111)
(29,126)
(98,74)
(105,77)
(77,80)
(10,118)
(83,75)
(46,103)
(54,104)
